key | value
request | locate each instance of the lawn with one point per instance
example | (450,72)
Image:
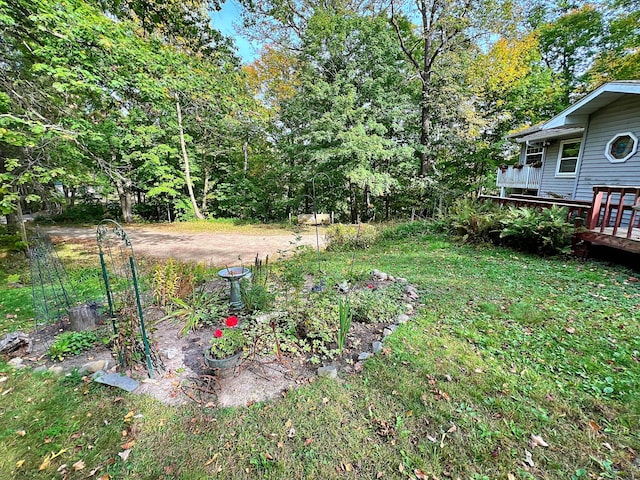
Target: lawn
(515,367)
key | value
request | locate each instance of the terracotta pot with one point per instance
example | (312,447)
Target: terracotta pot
(224,367)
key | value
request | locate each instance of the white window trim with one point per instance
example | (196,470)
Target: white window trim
(568,174)
(607,149)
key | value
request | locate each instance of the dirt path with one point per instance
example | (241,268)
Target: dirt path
(216,248)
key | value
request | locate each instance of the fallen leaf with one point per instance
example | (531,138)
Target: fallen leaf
(212,459)
(62,468)
(432,439)
(8,390)
(21,433)
(511,476)
(128,416)
(105,477)
(570,330)
(3,379)
(594,426)
(347,467)
(45,463)
(420,475)
(452,429)
(379,475)
(19,463)
(128,446)
(308,442)
(79,465)
(401,468)
(537,441)
(124,455)
(607,446)
(528,458)
(268,456)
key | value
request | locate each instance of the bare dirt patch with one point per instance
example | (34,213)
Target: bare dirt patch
(213,248)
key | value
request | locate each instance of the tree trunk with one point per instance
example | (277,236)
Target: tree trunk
(245,151)
(205,189)
(425,129)
(354,203)
(126,200)
(187,168)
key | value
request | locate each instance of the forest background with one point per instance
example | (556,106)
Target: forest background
(374,109)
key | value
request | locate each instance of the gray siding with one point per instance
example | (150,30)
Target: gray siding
(550,183)
(621,116)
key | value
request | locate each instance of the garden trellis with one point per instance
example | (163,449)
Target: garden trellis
(124,301)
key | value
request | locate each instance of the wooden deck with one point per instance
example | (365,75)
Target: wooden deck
(612,218)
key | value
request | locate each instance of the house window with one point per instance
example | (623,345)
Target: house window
(568,158)
(621,147)
(534,154)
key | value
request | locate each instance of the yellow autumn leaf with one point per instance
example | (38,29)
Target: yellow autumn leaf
(19,463)
(128,416)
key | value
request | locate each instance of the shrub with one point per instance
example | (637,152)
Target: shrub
(409,230)
(476,221)
(348,237)
(546,231)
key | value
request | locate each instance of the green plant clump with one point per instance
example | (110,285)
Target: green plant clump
(68,344)
(347,237)
(545,231)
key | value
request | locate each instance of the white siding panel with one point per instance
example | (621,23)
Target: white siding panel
(550,184)
(621,116)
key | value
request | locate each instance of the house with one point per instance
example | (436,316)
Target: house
(593,142)
(587,159)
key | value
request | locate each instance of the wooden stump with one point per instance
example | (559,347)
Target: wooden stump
(83,317)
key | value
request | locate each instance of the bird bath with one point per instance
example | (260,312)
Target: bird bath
(233,275)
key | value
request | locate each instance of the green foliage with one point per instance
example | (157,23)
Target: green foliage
(346,316)
(255,290)
(475,221)
(171,279)
(227,342)
(373,306)
(342,237)
(545,231)
(198,309)
(407,230)
(68,344)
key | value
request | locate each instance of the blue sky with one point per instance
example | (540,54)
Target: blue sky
(224,21)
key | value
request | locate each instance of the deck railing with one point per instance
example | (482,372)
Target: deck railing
(615,210)
(524,176)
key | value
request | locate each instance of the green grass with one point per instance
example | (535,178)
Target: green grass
(506,345)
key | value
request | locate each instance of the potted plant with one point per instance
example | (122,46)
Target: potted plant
(227,345)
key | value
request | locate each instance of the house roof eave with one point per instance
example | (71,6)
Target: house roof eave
(578,113)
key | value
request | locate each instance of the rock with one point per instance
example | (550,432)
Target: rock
(115,380)
(410,289)
(40,369)
(386,332)
(412,295)
(402,318)
(14,341)
(93,367)
(358,367)
(392,278)
(409,308)
(364,356)
(375,272)
(376,347)
(328,372)
(16,363)
(402,280)
(57,371)
(343,287)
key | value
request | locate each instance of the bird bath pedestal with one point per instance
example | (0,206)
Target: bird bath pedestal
(234,275)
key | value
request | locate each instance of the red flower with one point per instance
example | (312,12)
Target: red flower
(217,333)
(232,321)
(371,286)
